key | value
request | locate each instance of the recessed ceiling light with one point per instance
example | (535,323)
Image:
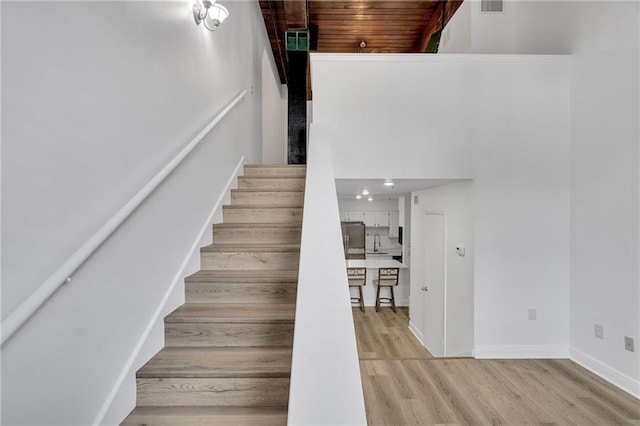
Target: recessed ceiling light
(365,192)
(388,183)
(358,196)
(370,198)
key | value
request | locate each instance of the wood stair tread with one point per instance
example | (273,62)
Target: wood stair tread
(245,247)
(233,312)
(252,190)
(243,275)
(268,183)
(288,166)
(202,415)
(261,206)
(273,177)
(211,362)
(258,225)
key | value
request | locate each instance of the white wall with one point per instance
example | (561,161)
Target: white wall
(369,122)
(97,97)
(605,192)
(501,119)
(274,136)
(604,40)
(542,27)
(456,202)
(326,388)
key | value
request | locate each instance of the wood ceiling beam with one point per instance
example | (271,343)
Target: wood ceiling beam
(296,13)
(435,23)
(430,27)
(277,46)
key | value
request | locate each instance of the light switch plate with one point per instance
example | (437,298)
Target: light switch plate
(628,344)
(599,332)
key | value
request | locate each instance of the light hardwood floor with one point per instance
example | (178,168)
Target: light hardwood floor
(404,385)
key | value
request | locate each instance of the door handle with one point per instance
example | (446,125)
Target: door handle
(424,288)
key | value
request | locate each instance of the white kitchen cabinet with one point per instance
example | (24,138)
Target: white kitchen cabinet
(346,216)
(369,218)
(384,219)
(394,223)
(358,216)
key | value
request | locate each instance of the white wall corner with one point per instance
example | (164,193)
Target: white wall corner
(121,400)
(520,352)
(610,374)
(416,332)
(463,354)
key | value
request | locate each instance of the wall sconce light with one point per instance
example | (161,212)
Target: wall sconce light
(210,13)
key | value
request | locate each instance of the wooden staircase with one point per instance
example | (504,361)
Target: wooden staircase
(227,354)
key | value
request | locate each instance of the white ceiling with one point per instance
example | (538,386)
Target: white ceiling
(348,188)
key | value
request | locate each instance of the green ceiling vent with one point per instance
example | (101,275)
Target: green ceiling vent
(297,40)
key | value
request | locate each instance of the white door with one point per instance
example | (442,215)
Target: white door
(433,288)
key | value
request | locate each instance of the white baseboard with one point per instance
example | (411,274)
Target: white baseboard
(413,329)
(130,367)
(611,375)
(534,352)
(463,354)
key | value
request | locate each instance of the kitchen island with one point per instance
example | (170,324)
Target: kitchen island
(374,264)
(369,290)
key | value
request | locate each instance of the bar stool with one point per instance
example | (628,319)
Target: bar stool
(387,277)
(357,278)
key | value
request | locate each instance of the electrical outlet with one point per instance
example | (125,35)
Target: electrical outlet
(628,344)
(598,331)
(533,314)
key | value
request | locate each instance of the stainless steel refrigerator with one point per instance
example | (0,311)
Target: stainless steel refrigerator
(353,240)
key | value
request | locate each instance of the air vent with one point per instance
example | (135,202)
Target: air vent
(491,5)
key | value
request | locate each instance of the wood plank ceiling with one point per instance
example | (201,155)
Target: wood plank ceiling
(339,26)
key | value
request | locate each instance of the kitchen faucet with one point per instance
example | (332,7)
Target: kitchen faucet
(376,242)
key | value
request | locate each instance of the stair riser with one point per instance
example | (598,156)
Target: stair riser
(283,171)
(276,292)
(268,184)
(267,198)
(291,215)
(250,260)
(256,235)
(236,279)
(196,417)
(199,334)
(213,392)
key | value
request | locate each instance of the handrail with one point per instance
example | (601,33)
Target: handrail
(326,386)
(63,274)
